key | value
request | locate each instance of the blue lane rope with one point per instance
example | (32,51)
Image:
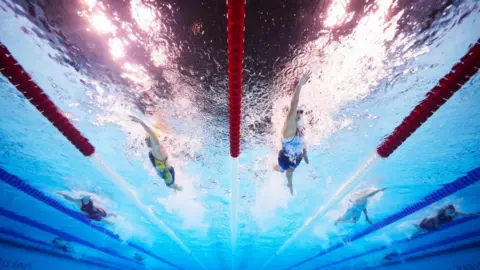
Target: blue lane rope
(22,219)
(103,263)
(21,185)
(368,252)
(23,237)
(470,178)
(437,244)
(443,242)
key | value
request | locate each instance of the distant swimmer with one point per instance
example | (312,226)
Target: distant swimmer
(138,257)
(444,216)
(294,149)
(394,255)
(86,205)
(357,206)
(158,156)
(62,244)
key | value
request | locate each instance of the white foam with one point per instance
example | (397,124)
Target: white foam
(269,197)
(186,204)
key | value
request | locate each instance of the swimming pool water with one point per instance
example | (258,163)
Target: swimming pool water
(100,61)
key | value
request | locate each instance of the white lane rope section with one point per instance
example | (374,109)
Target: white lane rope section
(334,200)
(234,206)
(116,179)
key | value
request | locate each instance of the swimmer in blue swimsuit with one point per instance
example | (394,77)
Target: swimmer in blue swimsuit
(158,156)
(294,149)
(87,207)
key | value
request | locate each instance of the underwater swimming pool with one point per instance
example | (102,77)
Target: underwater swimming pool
(372,62)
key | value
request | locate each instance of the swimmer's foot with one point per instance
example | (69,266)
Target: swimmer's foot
(177,187)
(291,189)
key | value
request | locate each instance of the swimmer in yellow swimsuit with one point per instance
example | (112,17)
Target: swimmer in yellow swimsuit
(158,156)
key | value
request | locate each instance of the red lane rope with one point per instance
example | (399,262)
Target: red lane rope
(15,73)
(446,87)
(235,27)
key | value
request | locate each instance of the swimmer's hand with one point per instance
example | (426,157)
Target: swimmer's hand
(135,119)
(304,79)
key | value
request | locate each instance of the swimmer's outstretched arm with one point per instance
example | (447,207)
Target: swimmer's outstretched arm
(149,130)
(461,214)
(290,126)
(67,197)
(373,193)
(153,136)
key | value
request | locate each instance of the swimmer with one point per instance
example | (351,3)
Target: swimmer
(444,216)
(357,206)
(62,244)
(138,257)
(158,156)
(394,255)
(294,149)
(86,205)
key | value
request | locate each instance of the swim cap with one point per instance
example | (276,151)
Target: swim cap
(86,199)
(450,206)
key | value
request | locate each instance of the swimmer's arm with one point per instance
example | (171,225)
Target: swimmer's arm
(70,198)
(149,130)
(290,125)
(461,214)
(366,216)
(374,193)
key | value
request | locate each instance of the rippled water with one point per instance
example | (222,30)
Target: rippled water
(372,62)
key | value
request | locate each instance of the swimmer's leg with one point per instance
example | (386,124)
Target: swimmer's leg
(289,179)
(176,187)
(339,220)
(277,168)
(366,216)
